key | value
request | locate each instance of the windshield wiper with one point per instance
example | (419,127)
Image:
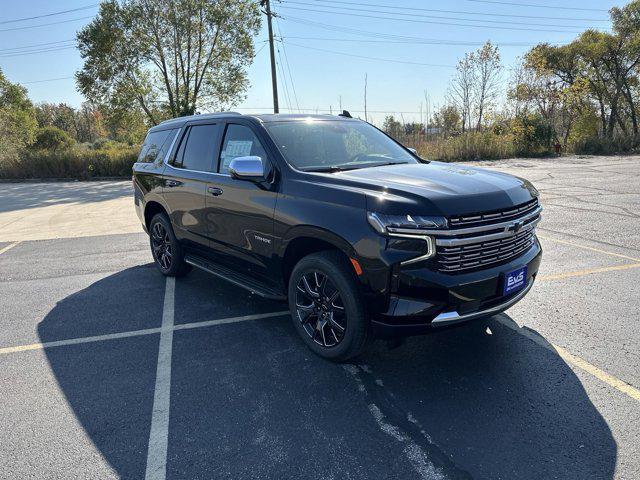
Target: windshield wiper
(351,166)
(329,169)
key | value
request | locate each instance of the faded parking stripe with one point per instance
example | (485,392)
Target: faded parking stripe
(574,360)
(8,247)
(137,333)
(159,432)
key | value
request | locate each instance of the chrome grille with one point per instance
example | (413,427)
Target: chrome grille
(484,254)
(487,239)
(493,216)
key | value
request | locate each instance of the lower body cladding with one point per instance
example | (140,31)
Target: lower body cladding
(424,300)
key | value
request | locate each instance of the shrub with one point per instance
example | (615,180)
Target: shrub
(52,138)
(469,146)
(77,162)
(531,135)
(595,145)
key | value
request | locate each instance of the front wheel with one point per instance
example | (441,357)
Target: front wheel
(327,307)
(165,248)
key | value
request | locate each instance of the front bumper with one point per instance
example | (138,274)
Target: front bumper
(425,300)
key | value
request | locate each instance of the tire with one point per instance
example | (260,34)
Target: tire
(168,254)
(328,311)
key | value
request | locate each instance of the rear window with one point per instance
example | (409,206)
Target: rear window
(156,145)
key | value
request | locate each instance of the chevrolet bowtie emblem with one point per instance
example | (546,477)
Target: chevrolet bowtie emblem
(514,227)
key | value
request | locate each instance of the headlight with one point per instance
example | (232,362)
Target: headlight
(405,230)
(384,224)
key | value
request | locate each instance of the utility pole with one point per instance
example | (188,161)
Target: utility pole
(365,98)
(274,80)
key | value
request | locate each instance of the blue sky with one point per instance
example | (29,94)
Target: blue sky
(324,45)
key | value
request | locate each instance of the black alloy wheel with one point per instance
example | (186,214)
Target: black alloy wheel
(327,307)
(165,248)
(161,246)
(320,309)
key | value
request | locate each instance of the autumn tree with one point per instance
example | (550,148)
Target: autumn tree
(447,120)
(486,87)
(461,89)
(17,120)
(169,57)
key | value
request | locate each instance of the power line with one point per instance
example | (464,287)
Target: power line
(391,60)
(367,33)
(537,5)
(36,45)
(46,24)
(42,50)
(324,110)
(286,59)
(46,80)
(368,10)
(284,82)
(509,15)
(416,41)
(429,21)
(61,12)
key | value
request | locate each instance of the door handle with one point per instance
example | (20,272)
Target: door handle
(215,191)
(173,183)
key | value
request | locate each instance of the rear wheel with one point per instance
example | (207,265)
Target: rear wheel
(165,248)
(327,307)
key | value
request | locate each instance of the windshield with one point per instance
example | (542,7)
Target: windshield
(327,145)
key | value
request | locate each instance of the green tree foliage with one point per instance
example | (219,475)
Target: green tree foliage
(52,138)
(84,124)
(603,67)
(447,120)
(170,57)
(392,126)
(17,121)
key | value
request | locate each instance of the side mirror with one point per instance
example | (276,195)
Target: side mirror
(414,151)
(250,168)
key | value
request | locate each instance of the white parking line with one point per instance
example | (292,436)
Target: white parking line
(137,333)
(159,433)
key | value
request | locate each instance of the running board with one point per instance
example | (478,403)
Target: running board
(236,278)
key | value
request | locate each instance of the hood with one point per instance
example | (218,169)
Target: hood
(437,188)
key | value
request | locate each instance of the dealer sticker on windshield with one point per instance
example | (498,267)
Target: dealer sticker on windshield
(514,281)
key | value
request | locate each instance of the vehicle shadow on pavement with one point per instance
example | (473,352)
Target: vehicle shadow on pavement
(248,400)
(21,196)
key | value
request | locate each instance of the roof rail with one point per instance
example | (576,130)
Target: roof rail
(200,116)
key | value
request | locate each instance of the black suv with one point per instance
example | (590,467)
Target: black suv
(362,236)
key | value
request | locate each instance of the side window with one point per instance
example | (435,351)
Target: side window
(177,161)
(155,145)
(239,141)
(197,149)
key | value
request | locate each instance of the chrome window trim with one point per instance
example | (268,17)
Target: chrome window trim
(197,171)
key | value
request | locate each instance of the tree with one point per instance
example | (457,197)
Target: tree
(607,63)
(17,120)
(89,123)
(460,93)
(447,119)
(170,57)
(59,115)
(488,72)
(392,126)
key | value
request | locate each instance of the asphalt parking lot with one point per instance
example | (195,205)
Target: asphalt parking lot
(107,370)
